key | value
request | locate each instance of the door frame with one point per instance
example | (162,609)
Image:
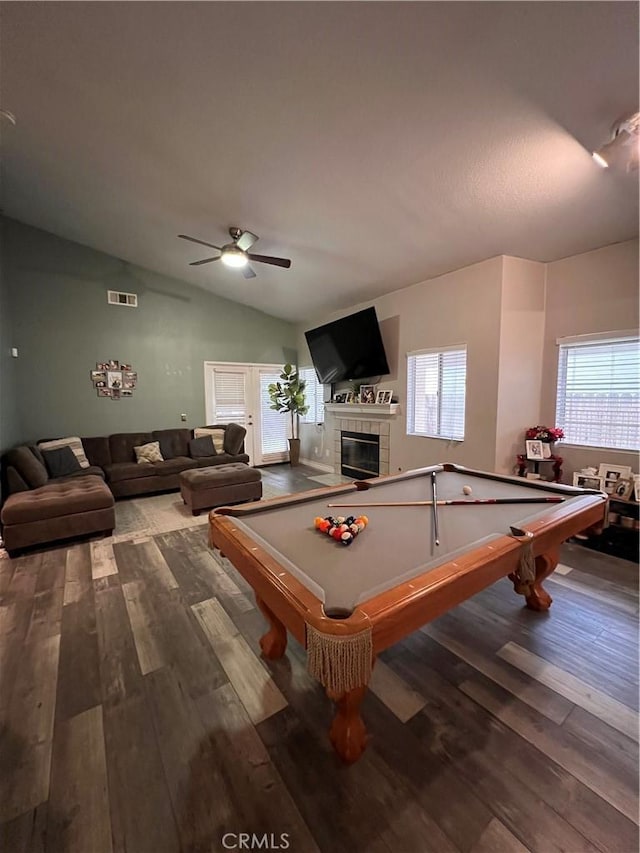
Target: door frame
(252,391)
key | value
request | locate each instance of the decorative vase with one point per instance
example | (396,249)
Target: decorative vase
(294,451)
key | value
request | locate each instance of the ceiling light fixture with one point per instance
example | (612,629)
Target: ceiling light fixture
(622,149)
(234,257)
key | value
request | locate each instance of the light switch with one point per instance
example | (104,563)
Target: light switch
(183,417)
(14,352)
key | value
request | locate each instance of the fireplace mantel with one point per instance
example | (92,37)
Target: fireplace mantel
(363,410)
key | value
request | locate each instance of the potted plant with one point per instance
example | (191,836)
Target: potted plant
(288,396)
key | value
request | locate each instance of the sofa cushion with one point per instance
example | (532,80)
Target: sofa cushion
(148,453)
(234,439)
(92,469)
(121,445)
(221,459)
(73,442)
(31,470)
(202,446)
(216,433)
(97,451)
(81,494)
(173,466)
(15,483)
(120,471)
(173,442)
(61,461)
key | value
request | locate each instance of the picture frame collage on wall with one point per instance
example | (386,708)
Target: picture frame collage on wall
(114,379)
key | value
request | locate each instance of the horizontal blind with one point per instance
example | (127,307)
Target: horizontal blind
(436,391)
(314,396)
(598,394)
(229,397)
(273,425)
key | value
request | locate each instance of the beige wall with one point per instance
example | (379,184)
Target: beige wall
(509,312)
(593,292)
(462,307)
(520,361)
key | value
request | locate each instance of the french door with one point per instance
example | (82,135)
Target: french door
(238,393)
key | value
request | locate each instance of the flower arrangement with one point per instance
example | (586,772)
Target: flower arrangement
(544,433)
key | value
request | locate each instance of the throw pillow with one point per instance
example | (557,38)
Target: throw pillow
(30,469)
(148,453)
(234,439)
(216,434)
(73,442)
(61,462)
(201,447)
(166,446)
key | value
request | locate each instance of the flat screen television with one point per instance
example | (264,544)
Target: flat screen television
(348,348)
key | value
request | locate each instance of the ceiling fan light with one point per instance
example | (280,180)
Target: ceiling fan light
(234,258)
(597,156)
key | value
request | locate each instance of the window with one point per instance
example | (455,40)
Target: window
(436,386)
(314,393)
(598,399)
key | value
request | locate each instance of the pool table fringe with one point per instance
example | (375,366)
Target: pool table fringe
(339,663)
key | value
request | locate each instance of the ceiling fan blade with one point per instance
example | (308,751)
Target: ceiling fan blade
(267,259)
(201,242)
(205,261)
(247,272)
(246,240)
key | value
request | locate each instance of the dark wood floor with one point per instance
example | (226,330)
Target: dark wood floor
(137,715)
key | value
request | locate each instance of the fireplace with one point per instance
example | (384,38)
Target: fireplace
(359,454)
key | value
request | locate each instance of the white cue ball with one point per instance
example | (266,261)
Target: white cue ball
(467,490)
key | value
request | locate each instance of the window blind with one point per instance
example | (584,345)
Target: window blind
(314,393)
(436,390)
(598,394)
(229,397)
(274,426)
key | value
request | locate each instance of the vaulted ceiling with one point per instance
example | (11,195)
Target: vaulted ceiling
(374,144)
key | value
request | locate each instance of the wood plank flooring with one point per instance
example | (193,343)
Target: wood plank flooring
(137,715)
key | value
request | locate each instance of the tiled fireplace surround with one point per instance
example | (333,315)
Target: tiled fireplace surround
(371,425)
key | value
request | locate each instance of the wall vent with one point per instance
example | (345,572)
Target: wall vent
(115,297)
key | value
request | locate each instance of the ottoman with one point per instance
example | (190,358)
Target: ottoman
(204,488)
(58,510)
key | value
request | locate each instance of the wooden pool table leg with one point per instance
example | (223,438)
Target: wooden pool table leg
(274,642)
(348,734)
(539,598)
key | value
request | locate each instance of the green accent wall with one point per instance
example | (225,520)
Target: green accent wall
(9,417)
(63,325)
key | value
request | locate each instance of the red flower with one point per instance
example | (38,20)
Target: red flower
(544,433)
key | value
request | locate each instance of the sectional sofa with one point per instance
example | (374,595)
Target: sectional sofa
(41,508)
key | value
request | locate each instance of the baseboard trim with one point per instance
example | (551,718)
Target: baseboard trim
(313,464)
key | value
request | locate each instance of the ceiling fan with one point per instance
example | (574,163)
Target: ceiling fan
(236,254)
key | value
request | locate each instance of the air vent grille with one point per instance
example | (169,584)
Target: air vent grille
(115,297)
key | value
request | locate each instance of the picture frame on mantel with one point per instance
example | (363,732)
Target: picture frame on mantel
(383,397)
(367,393)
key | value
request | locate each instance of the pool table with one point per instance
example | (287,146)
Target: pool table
(347,604)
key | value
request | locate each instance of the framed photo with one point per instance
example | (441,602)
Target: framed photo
(115,393)
(611,474)
(367,393)
(623,489)
(636,488)
(126,393)
(114,364)
(114,379)
(535,449)
(588,481)
(383,397)
(104,392)
(124,366)
(130,375)
(348,397)
(128,385)
(340,398)
(98,376)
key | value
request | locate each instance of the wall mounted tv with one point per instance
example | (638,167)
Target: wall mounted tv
(349,348)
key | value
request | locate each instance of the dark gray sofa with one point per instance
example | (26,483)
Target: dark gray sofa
(42,509)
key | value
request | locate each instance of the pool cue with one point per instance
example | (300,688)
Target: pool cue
(476,502)
(434,508)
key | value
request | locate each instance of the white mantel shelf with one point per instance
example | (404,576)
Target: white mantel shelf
(372,409)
